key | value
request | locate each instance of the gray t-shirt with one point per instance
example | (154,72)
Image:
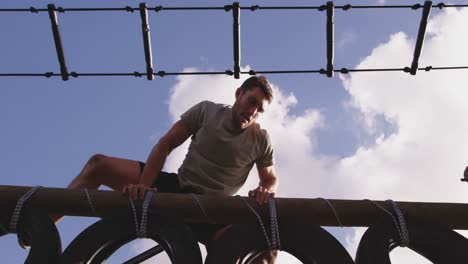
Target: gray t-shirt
(220,157)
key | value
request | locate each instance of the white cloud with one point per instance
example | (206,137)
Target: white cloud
(428,110)
(353,238)
(422,160)
(425,157)
(406,255)
(345,38)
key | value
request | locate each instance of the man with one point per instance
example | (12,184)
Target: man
(226,142)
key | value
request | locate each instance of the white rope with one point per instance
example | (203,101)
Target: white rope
(259,220)
(390,214)
(19,206)
(202,208)
(275,242)
(275,236)
(403,227)
(141,230)
(144,214)
(334,211)
(90,202)
(404,236)
(135,218)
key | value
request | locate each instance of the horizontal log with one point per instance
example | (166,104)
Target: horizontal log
(230,209)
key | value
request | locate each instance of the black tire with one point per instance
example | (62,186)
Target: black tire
(3,227)
(100,240)
(307,242)
(41,234)
(436,243)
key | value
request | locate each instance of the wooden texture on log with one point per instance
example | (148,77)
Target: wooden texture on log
(230,209)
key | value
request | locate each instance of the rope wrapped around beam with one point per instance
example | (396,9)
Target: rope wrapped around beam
(228,209)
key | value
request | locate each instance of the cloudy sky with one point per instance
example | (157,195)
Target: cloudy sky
(387,135)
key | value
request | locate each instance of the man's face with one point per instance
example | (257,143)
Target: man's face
(248,105)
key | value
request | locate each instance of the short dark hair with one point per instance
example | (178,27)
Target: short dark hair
(261,82)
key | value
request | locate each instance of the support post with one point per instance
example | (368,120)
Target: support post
(421,34)
(330,38)
(236,38)
(146,41)
(58,41)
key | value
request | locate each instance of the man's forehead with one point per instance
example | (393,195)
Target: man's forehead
(259,94)
(260,98)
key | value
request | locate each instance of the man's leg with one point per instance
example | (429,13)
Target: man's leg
(103,170)
(267,257)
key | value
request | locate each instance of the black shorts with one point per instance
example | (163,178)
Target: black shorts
(165,182)
(169,183)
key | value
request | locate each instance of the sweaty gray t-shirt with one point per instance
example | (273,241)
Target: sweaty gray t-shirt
(220,156)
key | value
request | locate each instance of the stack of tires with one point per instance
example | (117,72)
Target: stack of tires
(241,243)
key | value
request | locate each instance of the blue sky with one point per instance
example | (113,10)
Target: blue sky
(344,126)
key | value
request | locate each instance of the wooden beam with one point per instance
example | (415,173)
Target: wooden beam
(231,209)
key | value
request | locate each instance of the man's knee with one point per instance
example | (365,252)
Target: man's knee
(267,257)
(96,158)
(96,163)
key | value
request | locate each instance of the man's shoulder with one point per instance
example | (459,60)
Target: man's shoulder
(212,106)
(262,142)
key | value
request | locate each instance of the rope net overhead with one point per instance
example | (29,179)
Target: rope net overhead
(329,8)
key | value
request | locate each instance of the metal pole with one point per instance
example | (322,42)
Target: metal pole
(229,209)
(330,37)
(421,35)
(58,41)
(236,38)
(146,41)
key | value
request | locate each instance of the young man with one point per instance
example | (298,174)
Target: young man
(226,142)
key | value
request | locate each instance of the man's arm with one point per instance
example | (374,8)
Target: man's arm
(177,135)
(267,185)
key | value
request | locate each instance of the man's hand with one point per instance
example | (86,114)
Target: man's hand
(136,191)
(261,194)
